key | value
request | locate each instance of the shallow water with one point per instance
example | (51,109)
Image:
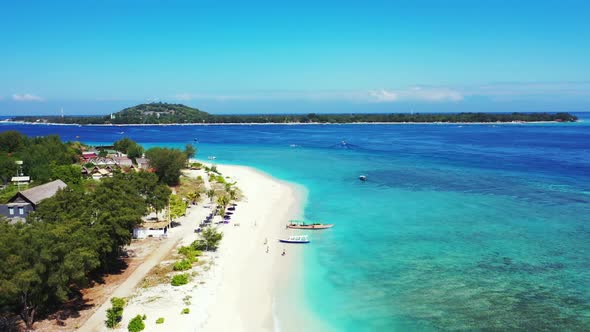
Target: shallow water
(473,227)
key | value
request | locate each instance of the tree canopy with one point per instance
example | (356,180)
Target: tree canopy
(167,164)
(37,153)
(69,237)
(129,147)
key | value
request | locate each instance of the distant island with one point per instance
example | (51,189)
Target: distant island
(164,113)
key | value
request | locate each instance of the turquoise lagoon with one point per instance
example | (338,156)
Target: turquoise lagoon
(472,227)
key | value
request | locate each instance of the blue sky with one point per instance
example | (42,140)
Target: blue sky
(93,57)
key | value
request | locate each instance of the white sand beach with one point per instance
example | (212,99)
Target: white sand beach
(238,287)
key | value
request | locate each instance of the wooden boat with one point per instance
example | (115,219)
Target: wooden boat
(295,224)
(296,239)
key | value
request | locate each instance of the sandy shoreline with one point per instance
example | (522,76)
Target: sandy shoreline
(241,286)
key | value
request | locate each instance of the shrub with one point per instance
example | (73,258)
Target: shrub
(190,253)
(136,324)
(210,241)
(113,318)
(160,320)
(180,279)
(199,245)
(118,302)
(182,265)
(185,311)
(115,313)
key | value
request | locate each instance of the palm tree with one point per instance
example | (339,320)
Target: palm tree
(222,201)
(211,194)
(193,196)
(233,195)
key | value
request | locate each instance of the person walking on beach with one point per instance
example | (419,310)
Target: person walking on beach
(267,249)
(284,253)
(265,241)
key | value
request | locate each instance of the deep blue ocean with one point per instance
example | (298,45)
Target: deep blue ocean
(459,227)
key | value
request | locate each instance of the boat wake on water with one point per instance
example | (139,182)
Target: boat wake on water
(343,145)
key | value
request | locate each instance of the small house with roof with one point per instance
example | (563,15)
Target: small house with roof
(26,201)
(102,161)
(123,161)
(143,163)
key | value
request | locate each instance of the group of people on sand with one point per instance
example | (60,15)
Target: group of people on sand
(268,248)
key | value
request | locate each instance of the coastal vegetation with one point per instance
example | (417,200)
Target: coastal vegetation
(72,237)
(167,164)
(42,157)
(164,113)
(115,312)
(136,324)
(129,147)
(75,236)
(180,279)
(210,240)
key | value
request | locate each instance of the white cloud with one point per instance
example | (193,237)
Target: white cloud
(26,97)
(416,93)
(423,93)
(379,96)
(183,96)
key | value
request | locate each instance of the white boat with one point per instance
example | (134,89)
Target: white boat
(296,239)
(211,157)
(363,178)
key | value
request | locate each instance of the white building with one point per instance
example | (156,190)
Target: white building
(151,229)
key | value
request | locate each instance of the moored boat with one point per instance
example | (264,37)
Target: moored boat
(296,224)
(296,239)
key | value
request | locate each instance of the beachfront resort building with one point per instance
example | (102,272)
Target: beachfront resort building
(26,201)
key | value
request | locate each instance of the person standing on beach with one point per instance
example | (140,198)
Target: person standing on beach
(267,249)
(284,253)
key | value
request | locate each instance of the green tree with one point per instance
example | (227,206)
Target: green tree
(189,151)
(211,194)
(222,201)
(115,313)
(210,240)
(8,168)
(159,198)
(193,196)
(42,261)
(70,174)
(11,141)
(40,152)
(129,147)
(135,151)
(177,206)
(167,163)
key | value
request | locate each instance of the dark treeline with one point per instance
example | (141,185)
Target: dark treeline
(76,236)
(162,113)
(393,118)
(44,158)
(70,238)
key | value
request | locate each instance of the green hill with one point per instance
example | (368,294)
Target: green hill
(159,113)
